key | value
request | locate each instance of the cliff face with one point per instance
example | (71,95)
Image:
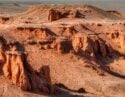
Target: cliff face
(4,20)
(39,33)
(79,38)
(16,69)
(118,39)
(91,46)
(54,15)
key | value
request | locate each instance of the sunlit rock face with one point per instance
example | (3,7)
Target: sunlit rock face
(16,68)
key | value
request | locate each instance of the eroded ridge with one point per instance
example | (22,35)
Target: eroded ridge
(4,19)
(16,68)
(51,48)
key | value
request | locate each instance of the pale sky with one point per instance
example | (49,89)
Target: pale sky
(62,0)
(104,4)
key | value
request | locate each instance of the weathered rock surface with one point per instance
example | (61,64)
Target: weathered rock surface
(57,14)
(49,49)
(118,39)
(89,46)
(4,19)
(54,15)
(81,43)
(16,68)
(62,45)
(40,33)
(69,31)
(72,14)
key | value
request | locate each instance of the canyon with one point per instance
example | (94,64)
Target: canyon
(62,51)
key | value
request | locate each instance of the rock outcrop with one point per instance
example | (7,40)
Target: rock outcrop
(72,14)
(117,39)
(39,33)
(2,55)
(69,31)
(82,44)
(54,15)
(39,82)
(16,68)
(62,45)
(57,14)
(87,45)
(4,19)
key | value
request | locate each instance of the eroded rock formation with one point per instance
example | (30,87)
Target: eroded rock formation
(62,45)
(54,15)
(57,14)
(40,33)
(118,40)
(72,41)
(4,19)
(90,46)
(82,44)
(72,14)
(16,68)
(69,31)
